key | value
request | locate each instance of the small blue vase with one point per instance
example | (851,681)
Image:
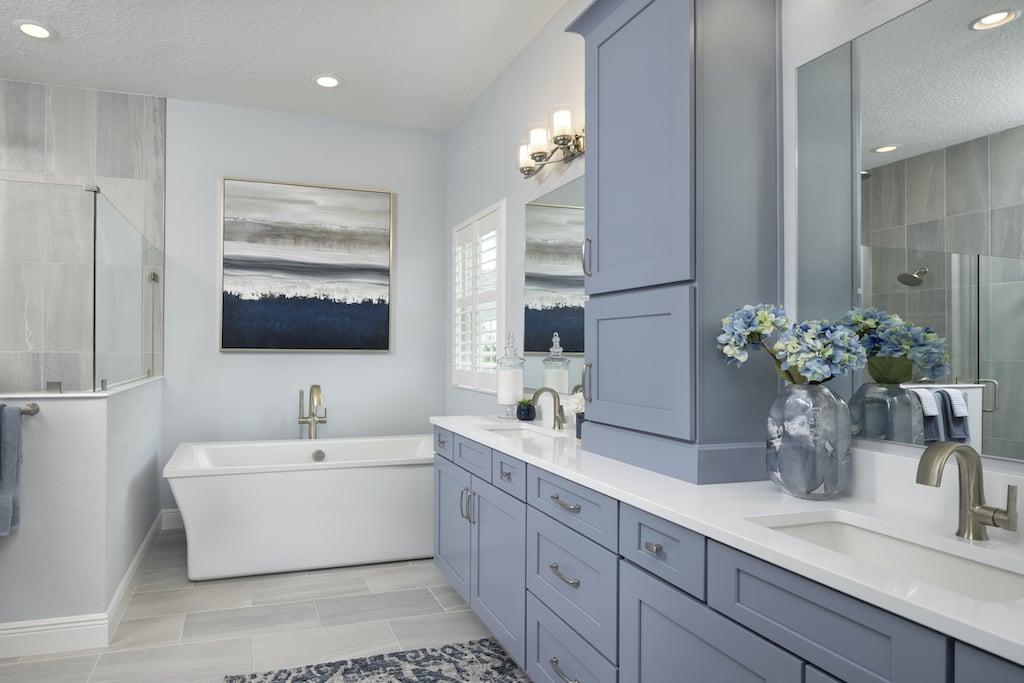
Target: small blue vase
(526,413)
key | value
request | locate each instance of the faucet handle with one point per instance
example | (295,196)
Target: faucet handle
(1007,519)
(1004,519)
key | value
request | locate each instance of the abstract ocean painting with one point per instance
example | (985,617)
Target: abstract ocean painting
(305,267)
(553,295)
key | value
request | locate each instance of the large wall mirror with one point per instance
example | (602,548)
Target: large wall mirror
(553,297)
(933,229)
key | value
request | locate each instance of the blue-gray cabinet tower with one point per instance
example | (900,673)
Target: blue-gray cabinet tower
(682,226)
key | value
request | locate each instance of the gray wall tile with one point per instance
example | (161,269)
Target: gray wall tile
(886,264)
(886,237)
(72,370)
(121,135)
(1008,231)
(22,125)
(67,307)
(967,177)
(928,236)
(1007,310)
(968,233)
(21,371)
(70,130)
(886,191)
(21,308)
(127,196)
(926,187)
(1007,150)
(154,153)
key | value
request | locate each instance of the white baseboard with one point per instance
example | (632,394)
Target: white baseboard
(171,519)
(119,603)
(38,636)
(83,631)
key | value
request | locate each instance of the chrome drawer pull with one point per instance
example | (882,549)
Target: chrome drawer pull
(587,367)
(441,443)
(554,667)
(573,507)
(507,476)
(575,583)
(583,256)
(462,499)
(652,547)
(469,508)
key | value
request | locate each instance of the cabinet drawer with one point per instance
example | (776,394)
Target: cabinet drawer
(443,442)
(473,457)
(593,514)
(574,577)
(550,643)
(508,474)
(663,548)
(850,639)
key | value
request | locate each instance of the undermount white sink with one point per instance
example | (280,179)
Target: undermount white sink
(526,432)
(865,539)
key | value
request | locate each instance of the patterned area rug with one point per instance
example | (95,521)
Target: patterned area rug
(478,661)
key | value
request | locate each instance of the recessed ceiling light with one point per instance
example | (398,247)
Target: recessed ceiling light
(327,81)
(994,20)
(886,148)
(35,29)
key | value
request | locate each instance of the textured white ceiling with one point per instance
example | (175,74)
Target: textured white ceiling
(928,81)
(418,63)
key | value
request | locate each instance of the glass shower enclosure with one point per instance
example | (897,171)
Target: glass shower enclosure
(80,291)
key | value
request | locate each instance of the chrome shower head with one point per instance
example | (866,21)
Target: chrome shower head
(913,279)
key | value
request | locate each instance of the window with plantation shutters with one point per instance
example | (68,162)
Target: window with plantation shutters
(478,298)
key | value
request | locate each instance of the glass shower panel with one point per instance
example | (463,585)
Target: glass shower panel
(1002,354)
(933,289)
(46,282)
(124,307)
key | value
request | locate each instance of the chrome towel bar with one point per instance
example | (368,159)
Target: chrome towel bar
(30,409)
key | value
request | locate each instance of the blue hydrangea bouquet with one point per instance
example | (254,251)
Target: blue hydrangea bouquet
(895,347)
(810,352)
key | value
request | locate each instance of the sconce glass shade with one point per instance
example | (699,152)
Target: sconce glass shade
(561,126)
(523,160)
(538,142)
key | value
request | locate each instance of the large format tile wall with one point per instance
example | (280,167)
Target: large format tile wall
(964,199)
(71,137)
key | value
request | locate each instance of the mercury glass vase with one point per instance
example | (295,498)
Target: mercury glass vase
(809,441)
(886,411)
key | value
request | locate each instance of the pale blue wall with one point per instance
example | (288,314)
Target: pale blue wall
(210,395)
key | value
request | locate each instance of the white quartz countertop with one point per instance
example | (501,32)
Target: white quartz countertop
(722,512)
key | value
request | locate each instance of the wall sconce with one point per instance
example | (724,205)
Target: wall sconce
(544,142)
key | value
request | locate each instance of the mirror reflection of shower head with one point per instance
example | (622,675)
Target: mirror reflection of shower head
(913,279)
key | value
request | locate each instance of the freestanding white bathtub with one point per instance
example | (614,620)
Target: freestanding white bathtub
(260,507)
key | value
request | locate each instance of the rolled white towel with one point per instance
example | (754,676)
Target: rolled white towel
(957,400)
(928,405)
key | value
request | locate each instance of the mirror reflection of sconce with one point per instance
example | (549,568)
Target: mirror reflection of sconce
(544,142)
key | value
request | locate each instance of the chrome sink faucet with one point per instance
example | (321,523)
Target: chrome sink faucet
(316,398)
(974,514)
(559,413)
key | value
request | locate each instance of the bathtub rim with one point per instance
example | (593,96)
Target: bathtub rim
(182,463)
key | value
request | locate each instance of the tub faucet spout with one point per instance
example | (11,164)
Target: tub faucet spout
(312,418)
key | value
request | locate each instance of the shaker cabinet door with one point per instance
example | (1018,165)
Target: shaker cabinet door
(499,566)
(639,100)
(451,525)
(665,635)
(640,350)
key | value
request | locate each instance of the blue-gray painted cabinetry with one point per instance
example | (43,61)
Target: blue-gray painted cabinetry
(665,635)
(574,583)
(971,664)
(681,228)
(480,545)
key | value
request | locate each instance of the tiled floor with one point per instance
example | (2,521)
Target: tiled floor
(178,631)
